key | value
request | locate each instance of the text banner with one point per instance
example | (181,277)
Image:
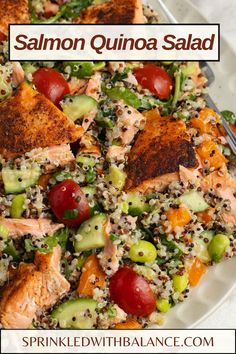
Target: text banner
(118,341)
(113,42)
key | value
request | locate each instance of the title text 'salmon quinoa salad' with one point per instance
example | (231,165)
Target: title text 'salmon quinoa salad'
(117,186)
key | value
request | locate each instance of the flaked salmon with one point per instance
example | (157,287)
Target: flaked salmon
(12,11)
(18,74)
(113,12)
(108,258)
(28,120)
(35,227)
(52,157)
(224,186)
(35,287)
(94,86)
(160,148)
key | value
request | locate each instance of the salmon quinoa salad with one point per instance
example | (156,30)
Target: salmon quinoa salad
(117,185)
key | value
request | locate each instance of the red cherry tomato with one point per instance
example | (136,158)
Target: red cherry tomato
(2,37)
(132,292)
(51,83)
(155,79)
(69,203)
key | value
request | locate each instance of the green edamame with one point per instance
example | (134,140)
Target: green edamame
(4,232)
(163,305)
(180,282)
(143,252)
(217,247)
(17,206)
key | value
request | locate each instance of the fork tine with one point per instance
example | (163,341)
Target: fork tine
(231,144)
(208,73)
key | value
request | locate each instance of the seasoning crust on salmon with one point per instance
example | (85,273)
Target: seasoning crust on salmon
(12,11)
(28,120)
(160,148)
(113,12)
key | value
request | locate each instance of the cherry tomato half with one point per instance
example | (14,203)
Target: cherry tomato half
(155,79)
(69,203)
(132,292)
(51,83)
(2,37)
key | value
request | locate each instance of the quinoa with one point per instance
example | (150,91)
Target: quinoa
(104,148)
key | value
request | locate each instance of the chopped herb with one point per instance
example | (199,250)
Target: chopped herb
(69,10)
(114,237)
(229,116)
(71,214)
(11,250)
(111,311)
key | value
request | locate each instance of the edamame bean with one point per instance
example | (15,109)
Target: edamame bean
(180,282)
(163,305)
(143,252)
(217,247)
(4,232)
(17,206)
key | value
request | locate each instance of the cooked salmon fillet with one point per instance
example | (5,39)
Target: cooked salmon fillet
(28,120)
(13,11)
(113,12)
(35,287)
(52,157)
(35,227)
(160,148)
(223,186)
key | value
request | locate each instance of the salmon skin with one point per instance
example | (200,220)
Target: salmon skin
(160,148)
(35,287)
(28,120)
(113,12)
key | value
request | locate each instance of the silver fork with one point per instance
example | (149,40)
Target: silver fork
(205,67)
(207,71)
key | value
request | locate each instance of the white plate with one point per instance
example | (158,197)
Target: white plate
(220,279)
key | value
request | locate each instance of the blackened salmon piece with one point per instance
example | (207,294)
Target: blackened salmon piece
(160,148)
(28,120)
(13,11)
(113,12)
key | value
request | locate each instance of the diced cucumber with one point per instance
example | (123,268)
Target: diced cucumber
(136,204)
(61,175)
(79,69)
(92,232)
(190,68)
(29,68)
(145,271)
(16,181)
(116,177)
(76,107)
(201,247)
(17,206)
(89,192)
(76,313)
(194,201)
(4,232)
(86,161)
(218,246)
(101,64)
